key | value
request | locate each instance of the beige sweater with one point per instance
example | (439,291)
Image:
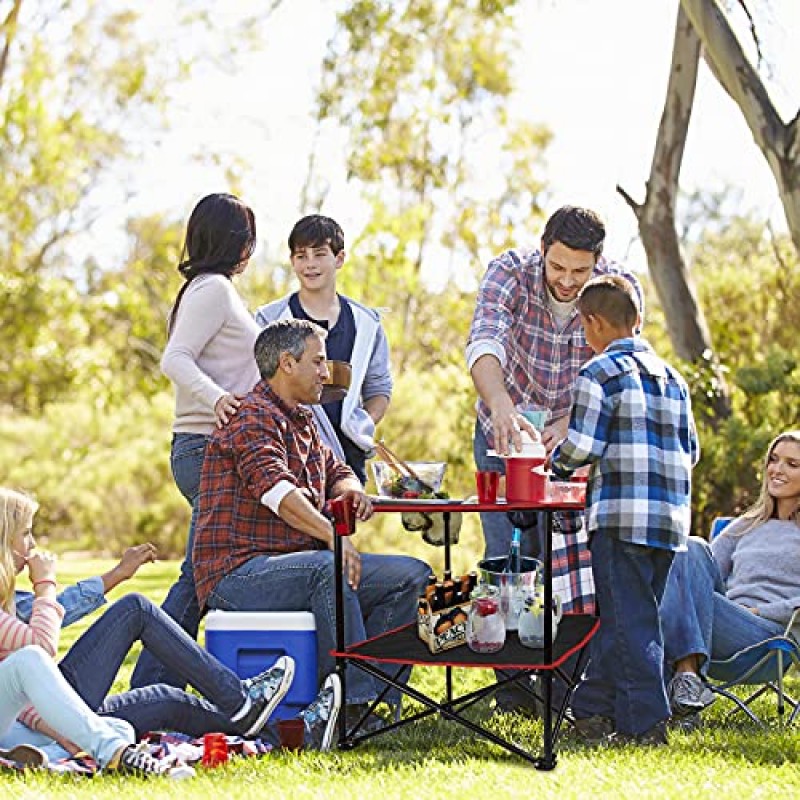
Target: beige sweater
(210,352)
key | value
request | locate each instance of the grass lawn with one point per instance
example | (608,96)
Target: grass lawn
(436,758)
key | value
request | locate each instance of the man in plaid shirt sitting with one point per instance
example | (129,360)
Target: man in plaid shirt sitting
(525,347)
(632,422)
(263,542)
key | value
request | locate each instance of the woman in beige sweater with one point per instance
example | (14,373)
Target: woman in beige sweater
(209,359)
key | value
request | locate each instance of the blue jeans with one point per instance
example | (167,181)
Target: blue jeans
(92,663)
(698,619)
(624,679)
(386,598)
(186,459)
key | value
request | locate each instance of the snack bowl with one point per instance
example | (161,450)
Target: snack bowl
(390,484)
(566,492)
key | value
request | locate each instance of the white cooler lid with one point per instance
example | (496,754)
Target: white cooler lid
(260,621)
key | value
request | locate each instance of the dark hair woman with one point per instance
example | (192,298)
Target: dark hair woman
(209,358)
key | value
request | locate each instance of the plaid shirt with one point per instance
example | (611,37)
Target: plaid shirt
(264,443)
(541,364)
(632,421)
(541,361)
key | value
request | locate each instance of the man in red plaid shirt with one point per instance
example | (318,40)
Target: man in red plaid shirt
(525,348)
(262,541)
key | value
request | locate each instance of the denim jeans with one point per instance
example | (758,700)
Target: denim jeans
(29,676)
(386,598)
(624,679)
(186,459)
(698,619)
(92,663)
(162,707)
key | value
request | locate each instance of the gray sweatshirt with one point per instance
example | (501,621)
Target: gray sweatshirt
(762,568)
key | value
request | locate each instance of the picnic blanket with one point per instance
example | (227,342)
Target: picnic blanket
(176,747)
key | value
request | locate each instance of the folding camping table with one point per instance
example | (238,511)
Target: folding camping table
(399,649)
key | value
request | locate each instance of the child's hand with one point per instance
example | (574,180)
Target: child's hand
(128,565)
(42,566)
(134,557)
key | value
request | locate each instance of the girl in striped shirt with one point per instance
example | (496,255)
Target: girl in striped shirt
(31,686)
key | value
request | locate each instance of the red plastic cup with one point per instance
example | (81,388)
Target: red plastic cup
(291,733)
(215,749)
(487,482)
(344,516)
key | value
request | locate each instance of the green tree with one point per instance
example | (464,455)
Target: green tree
(83,86)
(422,89)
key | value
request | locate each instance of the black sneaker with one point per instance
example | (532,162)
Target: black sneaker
(264,693)
(653,737)
(320,717)
(25,754)
(595,729)
(688,694)
(687,723)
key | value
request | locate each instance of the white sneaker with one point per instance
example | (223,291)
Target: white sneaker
(688,694)
(264,694)
(320,717)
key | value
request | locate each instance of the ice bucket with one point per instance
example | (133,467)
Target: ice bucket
(514,586)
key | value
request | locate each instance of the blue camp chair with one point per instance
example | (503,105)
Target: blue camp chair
(763,665)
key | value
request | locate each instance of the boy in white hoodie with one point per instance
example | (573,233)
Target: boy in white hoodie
(355,336)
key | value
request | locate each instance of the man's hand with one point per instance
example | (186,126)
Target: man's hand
(507,423)
(351,563)
(554,433)
(362,505)
(129,564)
(225,408)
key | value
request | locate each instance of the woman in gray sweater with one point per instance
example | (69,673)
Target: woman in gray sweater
(740,589)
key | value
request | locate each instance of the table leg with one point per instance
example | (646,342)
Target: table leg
(341,663)
(548,759)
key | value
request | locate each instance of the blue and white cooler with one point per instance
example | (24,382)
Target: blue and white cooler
(248,642)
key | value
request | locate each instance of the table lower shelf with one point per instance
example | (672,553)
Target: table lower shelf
(403,646)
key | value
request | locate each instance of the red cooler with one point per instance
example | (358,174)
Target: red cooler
(526,480)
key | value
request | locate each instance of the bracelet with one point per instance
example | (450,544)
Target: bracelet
(44,580)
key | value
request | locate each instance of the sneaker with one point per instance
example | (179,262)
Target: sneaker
(264,693)
(137,760)
(25,754)
(594,729)
(653,737)
(320,717)
(688,694)
(687,723)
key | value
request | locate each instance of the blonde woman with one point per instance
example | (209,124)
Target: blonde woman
(740,589)
(30,682)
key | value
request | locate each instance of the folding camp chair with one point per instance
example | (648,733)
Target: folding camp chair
(763,665)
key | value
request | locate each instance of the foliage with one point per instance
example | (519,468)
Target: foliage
(749,282)
(422,90)
(100,474)
(82,84)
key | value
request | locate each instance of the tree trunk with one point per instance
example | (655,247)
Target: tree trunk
(686,324)
(8,28)
(778,141)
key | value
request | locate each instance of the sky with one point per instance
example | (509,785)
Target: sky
(593,71)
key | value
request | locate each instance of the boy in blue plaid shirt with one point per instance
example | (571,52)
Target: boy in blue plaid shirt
(631,420)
